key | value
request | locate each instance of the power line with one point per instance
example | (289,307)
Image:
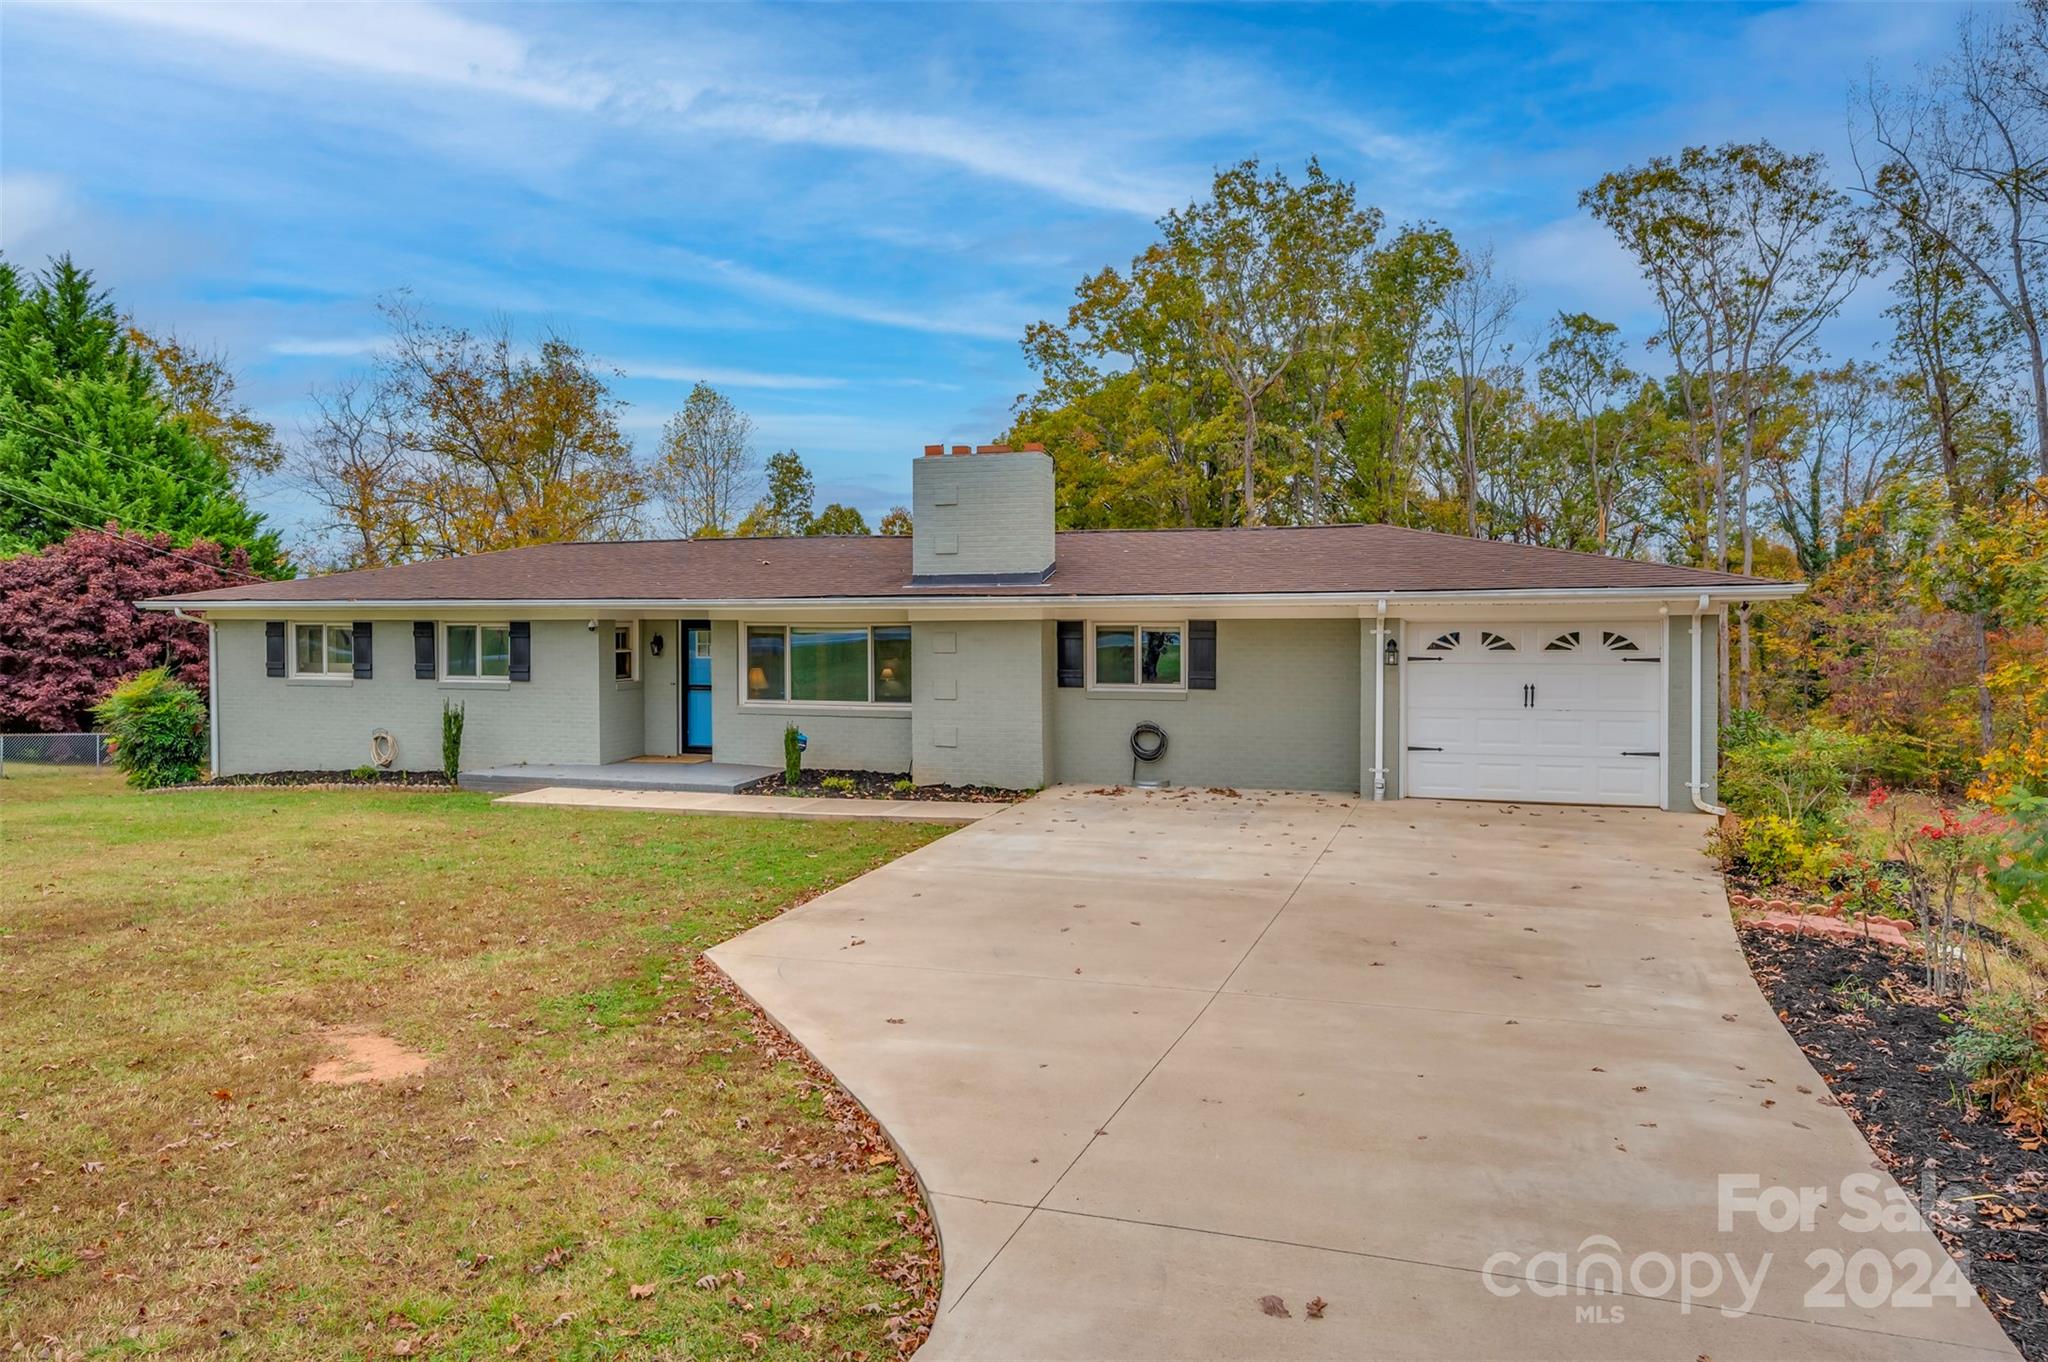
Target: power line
(13,490)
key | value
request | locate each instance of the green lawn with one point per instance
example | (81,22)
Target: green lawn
(171,1184)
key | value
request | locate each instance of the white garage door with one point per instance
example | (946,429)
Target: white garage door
(1566,713)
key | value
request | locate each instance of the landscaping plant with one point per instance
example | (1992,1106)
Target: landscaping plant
(451,739)
(158,726)
(792,756)
(1999,1049)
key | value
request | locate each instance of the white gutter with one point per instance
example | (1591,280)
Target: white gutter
(579,606)
(212,694)
(1696,784)
(1379,702)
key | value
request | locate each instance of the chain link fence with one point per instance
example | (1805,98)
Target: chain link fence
(52,749)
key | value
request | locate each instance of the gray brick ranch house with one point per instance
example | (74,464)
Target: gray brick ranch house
(988,649)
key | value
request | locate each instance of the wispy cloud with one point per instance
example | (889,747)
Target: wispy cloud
(327,347)
(987,319)
(1055,170)
(397,41)
(719,376)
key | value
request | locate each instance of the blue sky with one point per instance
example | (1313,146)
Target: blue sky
(844,216)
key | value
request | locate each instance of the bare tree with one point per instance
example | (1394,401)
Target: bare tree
(705,469)
(1856,432)
(1962,161)
(1475,315)
(1582,369)
(352,460)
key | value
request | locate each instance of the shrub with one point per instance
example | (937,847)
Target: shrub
(1747,728)
(843,784)
(1998,1047)
(792,756)
(1769,849)
(158,725)
(1802,776)
(451,739)
(903,785)
(2016,870)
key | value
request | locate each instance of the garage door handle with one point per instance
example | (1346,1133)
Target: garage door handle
(1642,659)
(1642,754)
(1425,749)
(1425,659)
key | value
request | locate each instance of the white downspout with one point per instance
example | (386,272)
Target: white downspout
(1697,784)
(1379,702)
(212,694)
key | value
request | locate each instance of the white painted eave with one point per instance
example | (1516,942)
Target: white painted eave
(1045,605)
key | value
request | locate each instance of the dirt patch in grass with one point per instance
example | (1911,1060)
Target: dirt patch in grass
(604,1160)
(1879,1040)
(365,1057)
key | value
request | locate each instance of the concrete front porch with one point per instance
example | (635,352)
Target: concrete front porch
(703,777)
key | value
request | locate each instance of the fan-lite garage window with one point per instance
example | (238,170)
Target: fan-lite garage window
(323,650)
(1139,655)
(828,664)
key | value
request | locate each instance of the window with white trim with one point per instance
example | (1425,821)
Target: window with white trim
(626,651)
(833,664)
(323,650)
(1137,656)
(476,652)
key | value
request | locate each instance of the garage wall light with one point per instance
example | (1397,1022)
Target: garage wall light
(1393,650)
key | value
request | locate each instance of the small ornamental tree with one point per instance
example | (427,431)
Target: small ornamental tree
(69,626)
(159,729)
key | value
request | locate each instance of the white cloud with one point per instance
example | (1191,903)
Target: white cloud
(988,319)
(32,209)
(327,347)
(669,372)
(397,41)
(1051,169)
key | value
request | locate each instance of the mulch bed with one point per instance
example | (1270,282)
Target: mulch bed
(1880,1042)
(423,780)
(879,785)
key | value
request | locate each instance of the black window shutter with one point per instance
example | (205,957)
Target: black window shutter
(1073,671)
(360,632)
(273,648)
(423,649)
(522,651)
(1201,654)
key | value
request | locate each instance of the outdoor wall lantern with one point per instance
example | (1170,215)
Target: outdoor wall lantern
(654,645)
(1393,650)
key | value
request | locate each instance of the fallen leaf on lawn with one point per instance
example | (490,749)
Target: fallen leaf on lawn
(879,1157)
(223,1095)
(640,1291)
(1274,1306)
(708,1282)
(1316,1307)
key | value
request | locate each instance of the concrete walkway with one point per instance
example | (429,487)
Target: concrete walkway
(703,777)
(1161,1055)
(763,806)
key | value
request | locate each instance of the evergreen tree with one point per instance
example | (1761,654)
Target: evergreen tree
(85,438)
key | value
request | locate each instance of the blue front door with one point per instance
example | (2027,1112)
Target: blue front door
(696,687)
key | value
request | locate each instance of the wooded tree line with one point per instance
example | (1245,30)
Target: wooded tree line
(1279,355)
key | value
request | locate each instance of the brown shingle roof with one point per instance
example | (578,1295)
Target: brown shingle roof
(1307,559)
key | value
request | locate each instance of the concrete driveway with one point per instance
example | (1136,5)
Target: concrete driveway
(1159,1055)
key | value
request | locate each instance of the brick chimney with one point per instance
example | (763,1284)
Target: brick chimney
(981,515)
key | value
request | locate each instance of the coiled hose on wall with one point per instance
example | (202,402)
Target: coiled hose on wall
(1148,743)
